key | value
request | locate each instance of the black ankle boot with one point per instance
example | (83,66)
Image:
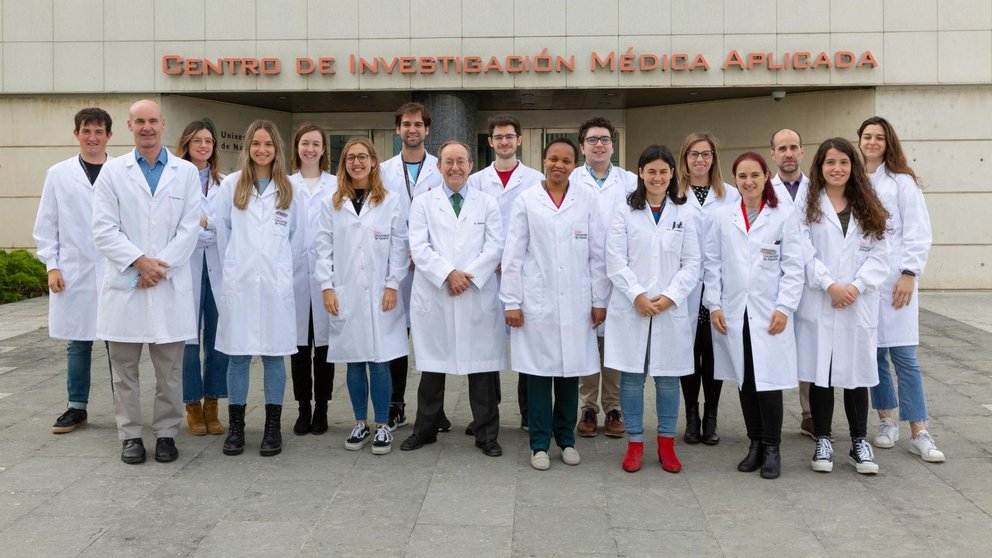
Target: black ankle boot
(692,424)
(272,436)
(318,425)
(302,425)
(234,444)
(772,466)
(710,436)
(752,462)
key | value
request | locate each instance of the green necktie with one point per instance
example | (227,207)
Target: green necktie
(456,203)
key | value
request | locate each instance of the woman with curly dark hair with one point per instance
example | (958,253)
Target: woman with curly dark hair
(844,224)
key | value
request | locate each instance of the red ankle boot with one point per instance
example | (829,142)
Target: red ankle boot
(666,454)
(632,460)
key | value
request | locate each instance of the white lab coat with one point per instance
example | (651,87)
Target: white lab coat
(554,270)
(644,257)
(846,337)
(783,193)
(909,238)
(63,232)
(129,222)
(306,288)
(760,270)
(258,247)
(486,180)
(460,334)
(610,196)
(704,215)
(359,256)
(397,179)
(206,248)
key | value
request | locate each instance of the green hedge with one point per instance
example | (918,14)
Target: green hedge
(22,275)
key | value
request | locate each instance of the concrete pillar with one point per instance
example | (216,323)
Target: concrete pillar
(452,118)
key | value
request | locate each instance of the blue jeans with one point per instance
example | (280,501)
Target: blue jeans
(274,379)
(213,382)
(666,389)
(911,402)
(381,383)
(77,379)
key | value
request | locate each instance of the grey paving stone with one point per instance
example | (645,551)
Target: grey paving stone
(437,541)
(269,539)
(651,543)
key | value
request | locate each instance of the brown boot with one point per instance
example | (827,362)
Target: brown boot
(214,426)
(194,418)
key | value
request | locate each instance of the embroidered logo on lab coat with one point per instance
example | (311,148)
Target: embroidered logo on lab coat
(380,235)
(281,218)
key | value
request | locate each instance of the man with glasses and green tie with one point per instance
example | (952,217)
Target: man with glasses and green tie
(611,184)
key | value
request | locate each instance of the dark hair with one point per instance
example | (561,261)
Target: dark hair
(504,120)
(894,157)
(566,141)
(413,108)
(864,203)
(186,136)
(779,131)
(768,192)
(639,197)
(324,163)
(596,122)
(93,115)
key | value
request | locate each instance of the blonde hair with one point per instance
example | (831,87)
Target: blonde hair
(346,186)
(246,181)
(715,178)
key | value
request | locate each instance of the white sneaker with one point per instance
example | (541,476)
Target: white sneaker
(570,455)
(540,461)
(923,445)
(823,457)
(862,457)
(888,433)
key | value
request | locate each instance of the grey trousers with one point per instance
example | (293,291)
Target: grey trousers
(167,360)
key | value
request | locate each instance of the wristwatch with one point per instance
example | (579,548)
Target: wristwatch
(908,272)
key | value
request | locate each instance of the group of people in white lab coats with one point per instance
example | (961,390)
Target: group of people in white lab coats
(598,274)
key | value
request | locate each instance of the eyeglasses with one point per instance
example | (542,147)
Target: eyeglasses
(507,137)
(706,155)
(361,158)
(454,162)
(605,140)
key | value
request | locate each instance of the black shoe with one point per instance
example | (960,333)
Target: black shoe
(490,448)
(234,444)
(772,466)
(318,425)
(691,435)
(70,420)
(469,431)
(524,425)
(165,450)
(752,462)
(397,416)
(444,425)
(710,436)
(415,442)
(272,436)
(133,451)
(302,425)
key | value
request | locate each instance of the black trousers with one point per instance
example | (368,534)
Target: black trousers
(702,375)
(821,405)
(483,398)
(762,409)
(318,386)
(522,394)
(398,371)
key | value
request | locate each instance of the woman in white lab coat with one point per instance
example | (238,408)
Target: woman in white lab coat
(699,173)
(909,239)
(198,145)
(362,256)
(754,277)
(313,375)
(844,223)
(260,239)
(652,257)
(555,290)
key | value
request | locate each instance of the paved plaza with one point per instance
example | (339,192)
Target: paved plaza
(70,495)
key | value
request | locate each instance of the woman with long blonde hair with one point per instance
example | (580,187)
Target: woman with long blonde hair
(362,256)
(260,232)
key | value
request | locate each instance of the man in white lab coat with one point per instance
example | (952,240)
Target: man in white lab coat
(409,174)
(456,241)
(504,179)
(791,184)
(146,216)
(63,233)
